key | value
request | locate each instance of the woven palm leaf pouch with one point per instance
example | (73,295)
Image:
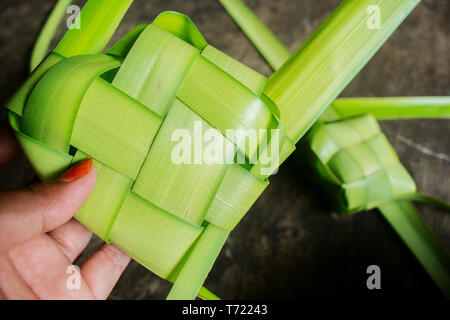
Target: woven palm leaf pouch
(123,109)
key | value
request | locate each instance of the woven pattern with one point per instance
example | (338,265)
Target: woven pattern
(356,162)
(84,106)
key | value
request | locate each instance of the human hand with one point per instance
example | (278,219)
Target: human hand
(39,239)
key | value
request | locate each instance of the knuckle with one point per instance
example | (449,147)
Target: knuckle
(66,246)
(42,196)
(115,256)
(44,201)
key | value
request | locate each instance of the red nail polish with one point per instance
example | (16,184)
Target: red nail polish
(78,171)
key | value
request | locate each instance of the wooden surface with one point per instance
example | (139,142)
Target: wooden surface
(290,244)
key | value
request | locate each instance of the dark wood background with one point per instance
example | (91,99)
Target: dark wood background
(290,244)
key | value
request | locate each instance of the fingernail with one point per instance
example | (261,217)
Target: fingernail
(78,171)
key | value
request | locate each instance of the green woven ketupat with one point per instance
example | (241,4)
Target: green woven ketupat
(122,108)
(355,163)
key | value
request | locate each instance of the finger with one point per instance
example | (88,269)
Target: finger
(24,214)
(46,270)
(9,147)
(12,285)
(103,269)
(72,238)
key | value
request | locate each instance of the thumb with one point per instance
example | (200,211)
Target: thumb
(26,213)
